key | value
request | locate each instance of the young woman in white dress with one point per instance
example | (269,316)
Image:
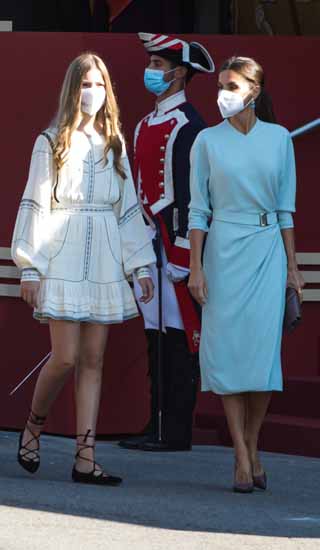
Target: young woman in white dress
(79,235)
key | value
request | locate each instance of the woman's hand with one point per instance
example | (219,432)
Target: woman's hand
(295,280)
(198,286)
(147,289)
(30,292)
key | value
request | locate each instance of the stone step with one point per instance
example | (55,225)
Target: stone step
(280,433)
(205,437)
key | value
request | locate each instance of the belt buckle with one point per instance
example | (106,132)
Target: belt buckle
(263,219)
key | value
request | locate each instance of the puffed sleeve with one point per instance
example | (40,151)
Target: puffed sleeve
(137,248)
(200,210)
(287,188)
(29,247)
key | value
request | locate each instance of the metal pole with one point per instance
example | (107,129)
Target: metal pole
(43,360)
(306,128)
(159,265)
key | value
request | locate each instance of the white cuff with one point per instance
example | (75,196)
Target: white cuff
(30,274)
(176,273)
(142,272)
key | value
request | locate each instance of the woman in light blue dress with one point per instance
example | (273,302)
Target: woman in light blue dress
(243,179)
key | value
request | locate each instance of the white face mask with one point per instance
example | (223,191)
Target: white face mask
(92,100)
(231,103)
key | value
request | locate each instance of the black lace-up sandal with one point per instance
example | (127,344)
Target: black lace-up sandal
(29,459)
(96,476)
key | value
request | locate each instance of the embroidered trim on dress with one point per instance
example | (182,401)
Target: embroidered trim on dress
(129,214)
(33,205)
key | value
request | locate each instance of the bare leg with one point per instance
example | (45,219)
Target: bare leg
(64,343)
(235,407)
(88,389)
(258,403)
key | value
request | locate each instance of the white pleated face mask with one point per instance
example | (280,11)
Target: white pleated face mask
(92,100)
(231,103)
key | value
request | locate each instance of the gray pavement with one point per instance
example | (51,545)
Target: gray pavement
(167,501)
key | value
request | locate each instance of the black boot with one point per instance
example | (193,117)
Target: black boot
(181,377)
(150,432)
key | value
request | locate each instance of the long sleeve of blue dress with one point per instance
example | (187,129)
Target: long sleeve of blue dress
(287,191)
(200,207)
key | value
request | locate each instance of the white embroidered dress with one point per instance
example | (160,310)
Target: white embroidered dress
(84,245)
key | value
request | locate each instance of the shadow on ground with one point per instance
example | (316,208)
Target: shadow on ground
(187,491)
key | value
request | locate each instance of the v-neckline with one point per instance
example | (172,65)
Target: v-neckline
(251,131)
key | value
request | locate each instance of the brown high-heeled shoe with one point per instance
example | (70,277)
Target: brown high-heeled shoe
(239,487)
(243,487)
(260,481)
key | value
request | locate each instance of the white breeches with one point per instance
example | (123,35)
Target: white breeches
(171,316)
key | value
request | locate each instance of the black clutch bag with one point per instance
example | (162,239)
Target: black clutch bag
(292,314)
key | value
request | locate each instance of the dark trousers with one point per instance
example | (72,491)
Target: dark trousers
(180,379)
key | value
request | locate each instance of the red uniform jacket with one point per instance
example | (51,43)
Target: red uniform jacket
(161,171)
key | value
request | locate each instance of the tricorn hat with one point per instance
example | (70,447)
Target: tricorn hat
(192,54)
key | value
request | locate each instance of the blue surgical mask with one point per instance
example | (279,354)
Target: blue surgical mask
(154,81)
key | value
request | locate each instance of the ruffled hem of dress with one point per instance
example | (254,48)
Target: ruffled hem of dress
(47,315)
(85,302)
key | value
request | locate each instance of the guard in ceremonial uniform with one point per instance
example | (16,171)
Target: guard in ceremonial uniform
(163,140)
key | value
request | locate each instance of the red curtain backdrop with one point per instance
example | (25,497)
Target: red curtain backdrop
(33,66)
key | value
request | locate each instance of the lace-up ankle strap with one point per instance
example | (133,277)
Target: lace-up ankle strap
(85,436)
(83,446)
(28,458)
(36,419)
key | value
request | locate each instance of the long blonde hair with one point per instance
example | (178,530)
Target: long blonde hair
(67,118)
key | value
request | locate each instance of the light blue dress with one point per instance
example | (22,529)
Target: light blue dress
(234,178)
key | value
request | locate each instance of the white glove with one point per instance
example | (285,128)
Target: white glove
(176,273)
